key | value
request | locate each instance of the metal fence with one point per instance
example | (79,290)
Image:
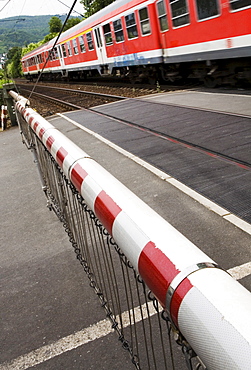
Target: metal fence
(148,332)
(142,325)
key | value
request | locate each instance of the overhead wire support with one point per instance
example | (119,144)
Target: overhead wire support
(51,50)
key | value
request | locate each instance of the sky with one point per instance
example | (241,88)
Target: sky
(15,8)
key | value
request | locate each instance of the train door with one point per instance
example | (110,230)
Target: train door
(99,41)
(60,54)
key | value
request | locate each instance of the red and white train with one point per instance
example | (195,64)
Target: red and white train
(143,39)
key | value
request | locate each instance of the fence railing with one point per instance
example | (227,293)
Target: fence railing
(157,288)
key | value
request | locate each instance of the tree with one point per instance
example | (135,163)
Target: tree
(71,22)
(93,6)
(13,63)
(55,24)
(87,7)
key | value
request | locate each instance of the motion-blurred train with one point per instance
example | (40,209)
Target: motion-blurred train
(209,40)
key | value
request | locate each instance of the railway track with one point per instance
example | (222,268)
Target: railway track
(65,97)
(68,98)
(61,96)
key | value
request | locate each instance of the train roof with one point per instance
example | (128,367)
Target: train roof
(107,12)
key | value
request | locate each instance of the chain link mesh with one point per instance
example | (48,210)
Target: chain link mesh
(143,328)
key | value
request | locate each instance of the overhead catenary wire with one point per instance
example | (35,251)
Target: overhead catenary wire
(82,15)
(5,5)
(51,50)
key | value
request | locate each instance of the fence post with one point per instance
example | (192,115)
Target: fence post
(9,102)
(3,117)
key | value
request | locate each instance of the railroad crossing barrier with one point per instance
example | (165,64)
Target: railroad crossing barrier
(205,305)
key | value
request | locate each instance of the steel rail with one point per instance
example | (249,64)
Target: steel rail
(207,151)
(80,92)
(55,100)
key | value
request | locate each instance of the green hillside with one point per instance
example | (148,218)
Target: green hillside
(21,31)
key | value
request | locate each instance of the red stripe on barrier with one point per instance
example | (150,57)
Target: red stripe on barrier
(35,126)
(156,270)
(106,210)
(177,298)
(60,156)
(49,142)
(41,132)
(78,174)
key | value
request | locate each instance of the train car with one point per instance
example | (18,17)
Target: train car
(148,39)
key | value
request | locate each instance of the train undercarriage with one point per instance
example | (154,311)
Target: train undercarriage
(212,73)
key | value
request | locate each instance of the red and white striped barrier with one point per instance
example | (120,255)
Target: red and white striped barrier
(4,115)
(207,305)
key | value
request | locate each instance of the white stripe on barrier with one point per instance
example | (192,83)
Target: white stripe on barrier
(160,253)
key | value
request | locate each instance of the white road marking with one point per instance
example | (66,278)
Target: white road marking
(96,331)
(243,225)
(239,272)
(103,327)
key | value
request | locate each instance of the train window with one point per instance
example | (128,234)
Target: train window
(239,4)
(162,15)
(89,41)
(131,26)
(56,53)
(180,14)
(207,8)
(51,55)
(119,35)
(82,44)
(107,34)
(144,21)
(75,46)
(69,48)
(64,50)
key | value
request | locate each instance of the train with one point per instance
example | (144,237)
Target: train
(148,40)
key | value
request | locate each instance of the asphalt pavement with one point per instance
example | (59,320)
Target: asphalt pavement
(45,295)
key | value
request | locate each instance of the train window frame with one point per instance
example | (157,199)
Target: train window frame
(209,16)
(238,9)
(162,15)
(82,44)
(89,40)
(60,52)
(144,21)
(180,16)
(118,31)
(107,34)
(75,47)
(131,26)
